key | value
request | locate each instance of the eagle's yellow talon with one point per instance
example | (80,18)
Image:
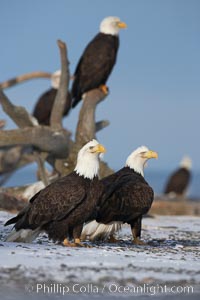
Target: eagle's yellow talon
(104,89)
(66,243)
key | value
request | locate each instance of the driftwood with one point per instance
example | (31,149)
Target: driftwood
(9,158)
(86,130)
(24,77)
(53,140)
(43,138)
(33,142)
(86,127)
(163,205)
(17,113)
(59,103)
(38,136)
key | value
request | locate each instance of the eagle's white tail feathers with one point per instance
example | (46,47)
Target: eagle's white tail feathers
(23,235)
(94,231)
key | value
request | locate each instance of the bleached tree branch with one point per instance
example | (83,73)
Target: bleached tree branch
(39,137)
(42,137)
(24,77)
(60,101)
(86,128)
(17,113)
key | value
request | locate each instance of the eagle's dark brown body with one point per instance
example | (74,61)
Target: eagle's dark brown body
(44,105)
(178,182)
(127,197)
(61,208)
(95,65)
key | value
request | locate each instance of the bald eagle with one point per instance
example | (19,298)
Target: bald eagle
(97,60)
(179,180)
(62,207)
(44,105)
(126,198)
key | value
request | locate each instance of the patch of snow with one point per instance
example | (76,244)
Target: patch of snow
(170,257)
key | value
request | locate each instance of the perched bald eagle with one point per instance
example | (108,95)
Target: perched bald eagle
(44,105)
(126,198)
(62,207)
(179,180)
(97,60)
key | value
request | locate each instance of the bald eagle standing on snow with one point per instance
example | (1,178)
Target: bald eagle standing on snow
(179,180)
(126,198)
(62,207)
(44,105)
(98,60)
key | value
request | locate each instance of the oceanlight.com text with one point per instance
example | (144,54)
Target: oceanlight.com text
(111,288)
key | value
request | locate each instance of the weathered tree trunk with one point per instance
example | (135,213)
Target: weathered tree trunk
(49,143)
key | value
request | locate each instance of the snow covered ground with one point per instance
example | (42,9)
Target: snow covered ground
(168,266)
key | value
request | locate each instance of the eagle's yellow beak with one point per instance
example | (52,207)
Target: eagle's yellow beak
(99,149)
(150,154)
(121,25)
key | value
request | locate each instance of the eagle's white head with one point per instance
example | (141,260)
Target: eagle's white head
(55,79)
(112,25)
(137,159)
(88,159)
(186,163)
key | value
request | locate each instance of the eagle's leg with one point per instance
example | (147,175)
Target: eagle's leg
(104,89)
(77,243)
(76,235)
(66,243)
(136,231)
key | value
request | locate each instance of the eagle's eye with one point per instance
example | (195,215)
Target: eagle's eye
(142,153)
(91,147)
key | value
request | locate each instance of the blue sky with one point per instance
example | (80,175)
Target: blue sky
(155,85)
